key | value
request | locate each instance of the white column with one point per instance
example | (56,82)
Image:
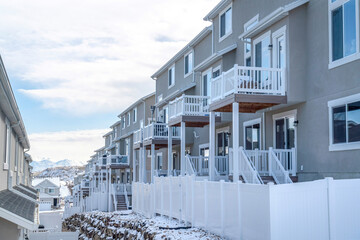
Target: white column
(235,134)
(152,162)
(144,165)
(170,167)
(134,165)
(141,177)
(212,146)
(182,149)
(109,189)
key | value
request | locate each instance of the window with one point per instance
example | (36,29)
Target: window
(134,115)
(343,30)
(247,46)
(51,190)
(159,161)
(225,23)
(123,122)
(127,146)
(160,97)
(171,76)
(252,134)
(344,125)
(216,72)
(7,144)
(129,118)
(188,63)
(223,143)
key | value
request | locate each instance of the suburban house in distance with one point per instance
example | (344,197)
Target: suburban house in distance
(106,183)
(18,200)
(49,192)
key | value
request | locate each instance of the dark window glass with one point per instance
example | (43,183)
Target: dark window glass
(349,28)
(339,125)
(170,77)
(186,64)
(222,25)
(248,62)
(216,73)
(337,33)
(248,138)
(205,82)
(258,54)
(353,121)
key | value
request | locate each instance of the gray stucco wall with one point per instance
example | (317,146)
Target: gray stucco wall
(8,230)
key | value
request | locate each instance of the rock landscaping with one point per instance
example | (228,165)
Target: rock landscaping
(128,225)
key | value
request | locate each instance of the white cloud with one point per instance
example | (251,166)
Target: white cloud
(76,146)
(94,56)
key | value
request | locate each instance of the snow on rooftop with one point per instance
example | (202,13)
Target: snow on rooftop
(37,181)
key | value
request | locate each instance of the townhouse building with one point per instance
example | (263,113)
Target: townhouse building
(49,192)
(268,92)
(18,200)
(106,183)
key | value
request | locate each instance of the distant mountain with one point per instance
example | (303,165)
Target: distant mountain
(65,173)
(46,163)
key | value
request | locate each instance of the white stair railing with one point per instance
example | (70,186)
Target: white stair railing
(113,193)
(277,170)
(287,158)
(189,168)
(247,170)
(126,197)
(222,165)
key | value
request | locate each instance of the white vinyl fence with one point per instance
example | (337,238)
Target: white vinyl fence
(323,209)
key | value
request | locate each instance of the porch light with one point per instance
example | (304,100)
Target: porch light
(296,123)
(270,47)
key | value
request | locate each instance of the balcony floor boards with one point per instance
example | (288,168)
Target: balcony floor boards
(248,103)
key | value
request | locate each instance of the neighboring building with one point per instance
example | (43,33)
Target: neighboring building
(49,192)
(106,183)
(18,201)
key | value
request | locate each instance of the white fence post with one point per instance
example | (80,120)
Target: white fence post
(170,196)
(222,212)
(330,198)
(162,195)
(206,203)
(239,207)
(192,178)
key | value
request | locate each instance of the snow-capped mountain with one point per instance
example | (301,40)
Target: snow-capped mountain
(46,163)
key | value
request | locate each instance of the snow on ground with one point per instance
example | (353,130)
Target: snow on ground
(133,226)
(64,190)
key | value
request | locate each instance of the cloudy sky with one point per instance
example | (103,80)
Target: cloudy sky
(74,65)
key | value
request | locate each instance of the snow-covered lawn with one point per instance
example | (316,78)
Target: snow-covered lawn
(128,225)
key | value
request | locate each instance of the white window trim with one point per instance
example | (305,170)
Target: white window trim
(162,160)
(160,97)
(135,115)
(251,123)
(231,29)
(354,56)
(220,130)
(192,67)
(277,34)
(173,74)
(248,23)
(291,113)
(256,41)
(336,103)
(202,79)
(201,146)
(7,145)
(123,122)
(129,118)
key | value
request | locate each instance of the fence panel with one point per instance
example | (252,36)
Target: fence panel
(299,210)
(214,207)
(344,209)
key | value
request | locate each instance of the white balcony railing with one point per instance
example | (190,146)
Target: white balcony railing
(160,131)
(189,105)
(260,159)
(200,165)
(248,80)
(138,136)
(118,160)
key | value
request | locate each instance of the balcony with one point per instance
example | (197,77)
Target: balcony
(117,161)
(193,110)
(138,138)
(157,133)
(254,88)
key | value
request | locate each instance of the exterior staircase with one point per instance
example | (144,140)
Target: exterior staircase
(121,203)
